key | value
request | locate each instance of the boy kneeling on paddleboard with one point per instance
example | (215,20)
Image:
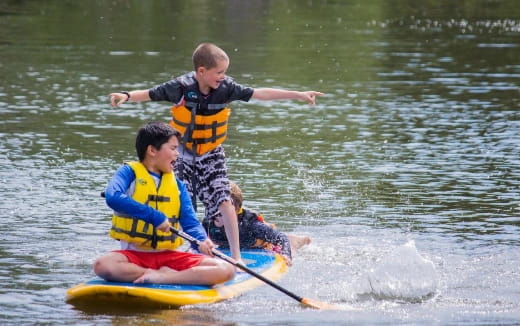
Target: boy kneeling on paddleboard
(147,200)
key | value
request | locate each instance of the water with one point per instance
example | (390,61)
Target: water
(404,174)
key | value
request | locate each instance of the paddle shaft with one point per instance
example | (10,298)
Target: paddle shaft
(230,260)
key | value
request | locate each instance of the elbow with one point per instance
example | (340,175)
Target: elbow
(113,199)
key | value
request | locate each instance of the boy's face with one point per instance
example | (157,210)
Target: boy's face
(211,78)
(166,156)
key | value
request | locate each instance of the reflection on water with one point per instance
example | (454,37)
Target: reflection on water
(121,316)
(415,139)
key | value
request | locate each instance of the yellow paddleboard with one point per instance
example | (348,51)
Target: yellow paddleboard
(99,292)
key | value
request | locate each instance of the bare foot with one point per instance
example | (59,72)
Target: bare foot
(154,275)
(298,241)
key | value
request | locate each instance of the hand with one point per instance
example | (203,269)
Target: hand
(164,226)
(116,99)
(310,96)
(206,246)
(288,260)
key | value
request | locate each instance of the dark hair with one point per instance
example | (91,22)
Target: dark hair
(207,55)
(155,134)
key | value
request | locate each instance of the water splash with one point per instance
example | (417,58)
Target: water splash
(404,275)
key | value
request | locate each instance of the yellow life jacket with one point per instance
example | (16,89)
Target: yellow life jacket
(201,133)
(165,199)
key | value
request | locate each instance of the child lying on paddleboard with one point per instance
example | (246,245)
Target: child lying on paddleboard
(254,231)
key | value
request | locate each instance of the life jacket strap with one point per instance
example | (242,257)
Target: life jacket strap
(158,198)
(213,126)
(214,137)
(211,107)
(154,238)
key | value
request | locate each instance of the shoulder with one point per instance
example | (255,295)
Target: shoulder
(235,90)
(188,79)
(250,214)
(121,181)
(249,211)
(173,89)
(181,186)
(229,82)
(126,171)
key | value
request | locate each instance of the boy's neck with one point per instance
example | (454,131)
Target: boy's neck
(204,89)
(150,167)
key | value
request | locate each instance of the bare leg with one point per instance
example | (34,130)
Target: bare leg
(114,266)
(209,272)
(230,221)
(298,241)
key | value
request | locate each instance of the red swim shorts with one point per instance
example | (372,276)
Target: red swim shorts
(176,260)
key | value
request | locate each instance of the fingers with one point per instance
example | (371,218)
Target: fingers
(164,226)
(207,247)
(116,99)
(210,252)
(311,97)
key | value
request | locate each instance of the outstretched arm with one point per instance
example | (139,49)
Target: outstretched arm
(266,94)
(116,99)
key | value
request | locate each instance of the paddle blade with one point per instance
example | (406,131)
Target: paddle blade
(317,304)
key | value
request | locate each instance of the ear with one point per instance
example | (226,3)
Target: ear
(201,70)
(151,151)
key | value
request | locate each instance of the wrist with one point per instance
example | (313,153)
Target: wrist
(127,95)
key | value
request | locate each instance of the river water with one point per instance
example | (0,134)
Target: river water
(405,173)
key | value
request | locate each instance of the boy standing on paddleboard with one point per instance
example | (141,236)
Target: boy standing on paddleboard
(147,200)
(201,114)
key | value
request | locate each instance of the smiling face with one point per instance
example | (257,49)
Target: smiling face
(211,78)
(161,160)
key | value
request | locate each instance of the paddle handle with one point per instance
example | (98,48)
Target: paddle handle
(232,261)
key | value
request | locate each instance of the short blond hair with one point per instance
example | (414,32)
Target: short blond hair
(208,55)
(236,195)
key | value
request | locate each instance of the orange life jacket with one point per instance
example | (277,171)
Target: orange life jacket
(201,132)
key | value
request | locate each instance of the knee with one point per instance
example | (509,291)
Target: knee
(102,268)
(228,272)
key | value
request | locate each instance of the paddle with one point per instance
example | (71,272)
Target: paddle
(308,302)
